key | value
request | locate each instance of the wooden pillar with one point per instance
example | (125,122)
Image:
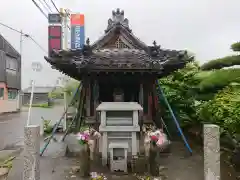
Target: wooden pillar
(96,96)
(141,100)
(141,94)
(150,101)
(88,96)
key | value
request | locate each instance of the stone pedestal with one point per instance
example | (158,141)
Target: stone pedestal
(139,164)
(153,161)
(84,161)
(31,152)
(211,152)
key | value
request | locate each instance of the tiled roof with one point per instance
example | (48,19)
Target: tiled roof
(39,89)
(100,57)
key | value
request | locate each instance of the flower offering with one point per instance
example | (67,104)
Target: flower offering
(83,138)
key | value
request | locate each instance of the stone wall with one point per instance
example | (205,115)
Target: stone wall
(8,106)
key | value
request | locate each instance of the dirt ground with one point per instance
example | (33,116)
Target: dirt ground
(177,165)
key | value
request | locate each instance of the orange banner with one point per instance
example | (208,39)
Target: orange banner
(77,19)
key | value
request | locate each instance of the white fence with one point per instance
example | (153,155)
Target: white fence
(9,106)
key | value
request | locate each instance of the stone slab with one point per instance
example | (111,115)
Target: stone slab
(119,106)
(72,144)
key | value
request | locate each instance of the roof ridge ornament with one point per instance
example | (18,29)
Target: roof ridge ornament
(117,18)
(154,51)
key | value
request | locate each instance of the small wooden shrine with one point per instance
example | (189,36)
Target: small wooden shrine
(119,67)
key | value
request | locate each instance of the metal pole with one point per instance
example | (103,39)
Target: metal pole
(20,64)
(30,104)
(65,116)
(21,43)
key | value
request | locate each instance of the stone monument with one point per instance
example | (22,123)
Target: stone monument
(119,127)
(211,152)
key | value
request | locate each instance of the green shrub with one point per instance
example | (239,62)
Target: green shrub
(218,79)
(221,63)
(235,46)
(223,110)
(47,127)
(43,105)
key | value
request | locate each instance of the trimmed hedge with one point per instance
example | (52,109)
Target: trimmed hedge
(221,63)
(219,79)
(235,46)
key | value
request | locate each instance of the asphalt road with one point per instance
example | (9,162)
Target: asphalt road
(12,125)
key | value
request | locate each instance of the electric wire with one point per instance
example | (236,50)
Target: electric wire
(39,8)
(55,6)
(45,5)
(25,35)
(48,5)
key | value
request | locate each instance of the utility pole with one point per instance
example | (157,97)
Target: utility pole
(64,14)
(19,101)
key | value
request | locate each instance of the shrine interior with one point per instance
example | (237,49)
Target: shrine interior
(127,86)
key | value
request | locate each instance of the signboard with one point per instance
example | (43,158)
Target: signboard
(77,19)
(54,38)
(54,19)
(77,37)
(77,31)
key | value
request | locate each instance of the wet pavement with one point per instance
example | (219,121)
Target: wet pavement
(12,125)
(178,165)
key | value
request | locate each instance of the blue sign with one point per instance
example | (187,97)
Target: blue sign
(77,37)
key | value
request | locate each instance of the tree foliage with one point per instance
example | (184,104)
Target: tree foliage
(224,109)
(222,62)
(57,93)
(71,88)
(216,80)
(179,89)
(227,61)
(206,94)
(235,46)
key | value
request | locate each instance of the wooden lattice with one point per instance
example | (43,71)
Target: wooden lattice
(120,44)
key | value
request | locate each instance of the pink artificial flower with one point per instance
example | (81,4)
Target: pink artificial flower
(79,136)
(154,138)
(86,136)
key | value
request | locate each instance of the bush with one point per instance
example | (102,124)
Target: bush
(43,105)
(221,63)
(223,110)
(216,80)
(180,90)
(47,127)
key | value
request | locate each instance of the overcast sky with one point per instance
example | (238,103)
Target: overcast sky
(205,27)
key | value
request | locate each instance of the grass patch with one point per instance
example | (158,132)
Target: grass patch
(43,105)
(7,163)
